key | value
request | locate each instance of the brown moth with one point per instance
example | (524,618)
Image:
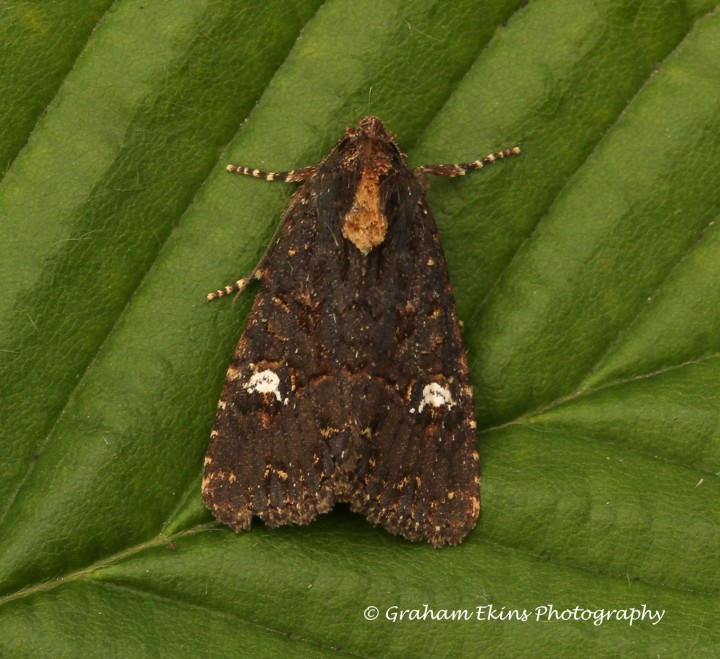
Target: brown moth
(350,382)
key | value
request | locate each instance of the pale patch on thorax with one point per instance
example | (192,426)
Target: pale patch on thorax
(365,224)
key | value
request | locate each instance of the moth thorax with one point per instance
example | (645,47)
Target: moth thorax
(365,224)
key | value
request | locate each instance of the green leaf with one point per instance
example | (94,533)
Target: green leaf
(586,271)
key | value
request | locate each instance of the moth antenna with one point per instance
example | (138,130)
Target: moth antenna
(462,168)
(292,176)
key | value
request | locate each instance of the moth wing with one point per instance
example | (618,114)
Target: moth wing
(418,473)
(283,447)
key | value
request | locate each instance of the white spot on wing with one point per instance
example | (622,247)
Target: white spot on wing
(435,395)
(265,382)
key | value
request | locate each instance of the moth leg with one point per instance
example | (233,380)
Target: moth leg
(462,168)
(237,286)
(293,176)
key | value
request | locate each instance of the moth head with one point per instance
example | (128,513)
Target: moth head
(370,142)
(370,128)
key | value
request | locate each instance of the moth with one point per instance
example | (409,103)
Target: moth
(350,382)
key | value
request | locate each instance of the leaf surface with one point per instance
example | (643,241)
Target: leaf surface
(586,272)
